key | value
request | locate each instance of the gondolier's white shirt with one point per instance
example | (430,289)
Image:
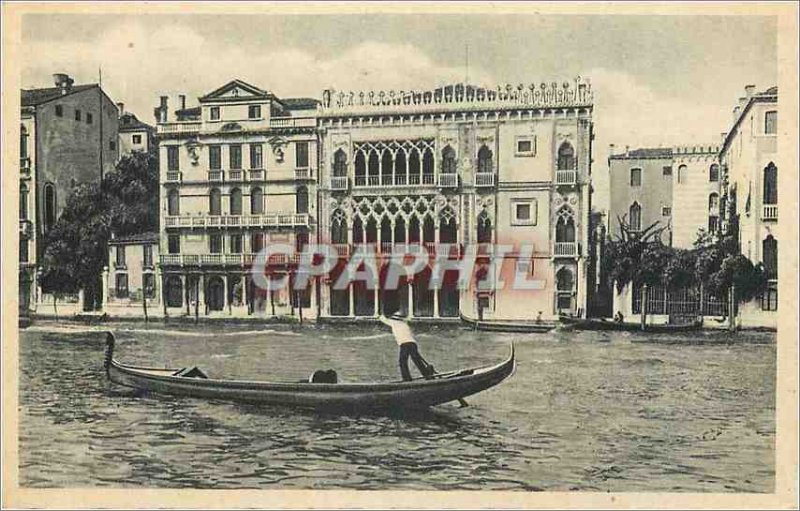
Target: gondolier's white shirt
(400,329)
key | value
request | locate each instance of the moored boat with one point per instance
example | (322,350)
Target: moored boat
(395,395)
(602,324)
(508,326)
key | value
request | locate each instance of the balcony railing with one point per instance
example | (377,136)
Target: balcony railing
(215,175)
(448,180)
(174,176)
(235,175)
(387,181)
(769,212)
(224,259)
(265,220)
(289,122)
(256,174)
(339,183)
(565,249)
(484,179)
(566,177)
(179,127)
(304,173)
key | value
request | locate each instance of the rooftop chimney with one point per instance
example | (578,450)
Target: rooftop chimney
(63,82)
(164,113)
(183,101)
(742,102)
(722,137)
(121,108)
(627,149)
(749,90)
(611,149)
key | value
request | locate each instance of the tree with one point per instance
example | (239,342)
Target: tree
(626,254)
(76,248)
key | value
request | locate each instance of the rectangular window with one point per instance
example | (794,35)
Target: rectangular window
(256,242)
(215,243)
(23,250)
(236,244)
(301,155)
(771,122)
(137,139)
(174,244)
(148,256)
(172,158)
(59,110)
(713,224)
(77,115)
(89,118)
(256,156)
(526,146)
(769,300)
(636,177)
(235,156)
(122,285)
(523,212)
(666,170)
(121,256)
(112,145)
(666,211)
(214,113)
(254,112)
(149,285)
(214,157)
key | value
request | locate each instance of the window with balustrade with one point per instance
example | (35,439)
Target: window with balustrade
(485,164)
(301,200)
(236,201)
(566,157)
(174,244)
(235,244)
(339,164)
(565,225)
(173,162)
(635,217)
(256,156)
(448,160)
(214,157)
(256,201)
(301,155)
(215,243)
(215,202)
(770,184)
(235,156)
(173,202)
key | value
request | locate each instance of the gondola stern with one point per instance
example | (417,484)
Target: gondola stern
(109,356)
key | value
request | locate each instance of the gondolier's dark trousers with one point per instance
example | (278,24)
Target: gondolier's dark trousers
(409,349)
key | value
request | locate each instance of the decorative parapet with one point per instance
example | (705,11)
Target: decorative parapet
(568,94)
(700,149)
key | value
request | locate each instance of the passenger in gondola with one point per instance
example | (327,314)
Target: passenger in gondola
(618,317)
(408,346)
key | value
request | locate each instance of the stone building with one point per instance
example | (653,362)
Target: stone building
(678,187)
(68,135)
(750,161)
(134,135)
(466,166)
(132,276)
(238,172)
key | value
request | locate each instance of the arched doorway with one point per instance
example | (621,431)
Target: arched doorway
(565,289)
(215,294)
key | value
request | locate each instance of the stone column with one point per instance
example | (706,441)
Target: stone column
(201,290)
(410,284)
(352,297)
(375,305)
(104,291)
(227,298)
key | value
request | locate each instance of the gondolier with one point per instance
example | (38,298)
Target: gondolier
(408,346)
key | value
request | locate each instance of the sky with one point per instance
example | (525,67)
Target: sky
(657,80)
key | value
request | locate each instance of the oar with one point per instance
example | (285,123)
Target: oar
(463,403)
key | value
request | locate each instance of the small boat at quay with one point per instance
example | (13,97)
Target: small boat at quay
(396,395)
(522,327)
(602,324)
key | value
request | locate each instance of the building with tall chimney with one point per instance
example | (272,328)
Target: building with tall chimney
(68,136)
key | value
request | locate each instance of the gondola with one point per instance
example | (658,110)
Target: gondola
(602,324)
(508,326)
(396,395)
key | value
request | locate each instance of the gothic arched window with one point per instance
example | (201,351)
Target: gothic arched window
(256,201)
(448,161)
(339,164)
(236,201)
(566,157)
(484,228)
(770,184)
(484,160)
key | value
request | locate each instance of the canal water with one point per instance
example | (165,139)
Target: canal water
(590,411)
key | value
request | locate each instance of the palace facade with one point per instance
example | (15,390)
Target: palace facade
(238,172)
(465,166)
